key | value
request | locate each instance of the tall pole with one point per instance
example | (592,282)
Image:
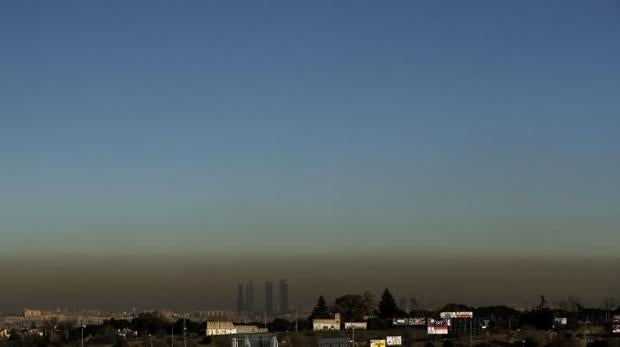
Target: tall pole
(184,333)
(82,341)
(353,336)
(471,332)
(172,332)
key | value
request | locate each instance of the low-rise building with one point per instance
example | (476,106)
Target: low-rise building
(326,324)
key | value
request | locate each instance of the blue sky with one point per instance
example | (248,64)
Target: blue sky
(439,127)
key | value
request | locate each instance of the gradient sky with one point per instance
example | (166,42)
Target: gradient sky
(310,128)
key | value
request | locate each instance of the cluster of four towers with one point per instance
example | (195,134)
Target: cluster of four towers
(245,297)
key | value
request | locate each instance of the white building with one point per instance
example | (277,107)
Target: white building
(326,324)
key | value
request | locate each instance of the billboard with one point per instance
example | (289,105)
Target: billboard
(456,315)
(377,343)
(355,325)
(560,320)
(437,326)
(409,321)
(417,321)
(615,327)
(394,340)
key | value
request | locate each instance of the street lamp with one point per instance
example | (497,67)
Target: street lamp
(82,340)
(172,331)
(184,333)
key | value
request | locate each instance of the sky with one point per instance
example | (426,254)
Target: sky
(289,131)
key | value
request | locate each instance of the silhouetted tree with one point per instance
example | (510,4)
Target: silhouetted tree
(279,325)
(351,307)
(370,303)
(598,343)
(452,307)
(387,306)
(320,310)
(539,319)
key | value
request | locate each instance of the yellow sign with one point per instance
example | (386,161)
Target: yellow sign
(377,343)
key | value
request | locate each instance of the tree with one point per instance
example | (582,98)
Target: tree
(279,325)
(370,303)
(351,307)
(571,304)
(387,306)
(608,305)
(414,305)
(452,307)
(539,319)
(320,310)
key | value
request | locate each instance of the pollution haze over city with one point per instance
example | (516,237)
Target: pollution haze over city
(157,154)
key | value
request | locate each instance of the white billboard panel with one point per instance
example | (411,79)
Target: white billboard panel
(409,321)
(355,325)
(394,340)
(437,326)
(455,315)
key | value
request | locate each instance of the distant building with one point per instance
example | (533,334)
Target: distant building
(284,305)
(269,297)
(326,324)
(249,296)
(240,298)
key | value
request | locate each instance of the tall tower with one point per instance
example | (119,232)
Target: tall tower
(240,298)
(284,296)
(249,296)
(268,297)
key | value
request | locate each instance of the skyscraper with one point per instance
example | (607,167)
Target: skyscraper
(240,298)
(249,296)
(268,297)
(284,296)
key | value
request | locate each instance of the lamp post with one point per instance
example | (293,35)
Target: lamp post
(82,339)
(172,331)
(184,333)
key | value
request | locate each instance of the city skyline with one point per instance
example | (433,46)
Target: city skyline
(403,144)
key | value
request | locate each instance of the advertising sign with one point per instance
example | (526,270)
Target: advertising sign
(417,321)
(409,321)
(615,328)
(560,320)
(456,315)
(355,325)
(437,326)
(394,340)
(215,332)
(377,343)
